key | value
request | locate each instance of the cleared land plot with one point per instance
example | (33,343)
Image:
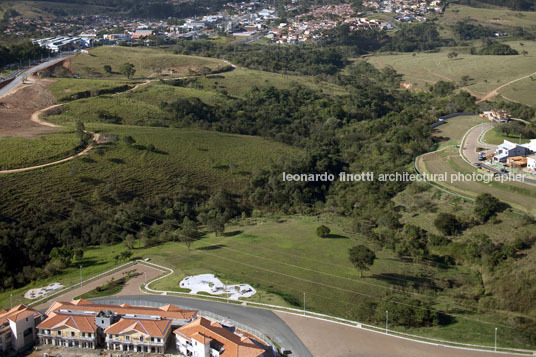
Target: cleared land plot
(148,62)
(486,72)
(17,108)
(23,152)
(31,9)
(452,132)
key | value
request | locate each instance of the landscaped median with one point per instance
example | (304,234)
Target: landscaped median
(329,318)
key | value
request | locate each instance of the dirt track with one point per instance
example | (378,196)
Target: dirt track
(17,107)
(495,92)
(132,287)
(324,338)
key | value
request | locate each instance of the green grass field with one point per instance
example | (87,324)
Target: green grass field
(22,152)
(32,9)
(64,88)
(455,129)
(148,62)
(521,91)
(283,258)
(207,158)
(494,137)
(240,81)
(486,72)
(499,18)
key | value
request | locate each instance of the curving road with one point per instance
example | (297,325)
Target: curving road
(19,79)
(262,320)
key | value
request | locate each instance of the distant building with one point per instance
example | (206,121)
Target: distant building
(141,33)
(59,44)
(17,329)
(499,116)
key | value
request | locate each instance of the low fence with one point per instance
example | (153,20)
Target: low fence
(341,321)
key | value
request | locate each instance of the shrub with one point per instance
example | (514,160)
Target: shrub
(323,231)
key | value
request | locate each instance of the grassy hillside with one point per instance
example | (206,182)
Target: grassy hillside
(148,62)
(485,72)
(284,258)
(497,18)
(30,9)
(22,152)
(210,159)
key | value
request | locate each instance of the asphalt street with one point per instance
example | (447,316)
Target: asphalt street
(264,321)
(18,80)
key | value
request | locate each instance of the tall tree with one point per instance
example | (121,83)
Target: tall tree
(362,258)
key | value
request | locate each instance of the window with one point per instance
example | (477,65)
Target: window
(127,338)
(141,338)
(152,339)
(59,333)
(72,333)
(89,334)
(83,334)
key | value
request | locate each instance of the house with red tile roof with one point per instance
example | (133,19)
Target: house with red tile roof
(205,338)
(84,324)
(17,329)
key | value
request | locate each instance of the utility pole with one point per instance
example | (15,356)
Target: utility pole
(386,321)
(11,301)
(303,304)
(80,276)
(495,339)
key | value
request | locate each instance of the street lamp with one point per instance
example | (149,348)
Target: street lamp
(386,321)
(11,300)
(80,276)
(303,304)
(495,339)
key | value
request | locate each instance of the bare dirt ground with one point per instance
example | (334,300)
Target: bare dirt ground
(324,338)
(132,287)
(17,107)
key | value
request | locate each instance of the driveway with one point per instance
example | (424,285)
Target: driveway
(471,143)
(131,287)
(264,321)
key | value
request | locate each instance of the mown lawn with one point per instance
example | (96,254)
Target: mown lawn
(23,152)
(495,137)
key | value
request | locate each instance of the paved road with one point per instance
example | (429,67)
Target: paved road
(472,142)
(334,340)
(262,320)
(30,71)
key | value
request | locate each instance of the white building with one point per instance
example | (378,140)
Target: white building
(531,162)
(510,149)
(17,329)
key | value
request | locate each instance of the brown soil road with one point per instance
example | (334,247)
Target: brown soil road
(325,338)
(132,287)
(495,92)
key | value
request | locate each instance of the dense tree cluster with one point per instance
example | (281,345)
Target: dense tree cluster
(20,51)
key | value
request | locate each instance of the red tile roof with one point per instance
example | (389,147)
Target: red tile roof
(18,313)
(234,345)
(153,328)
(168,311)
(81,323)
